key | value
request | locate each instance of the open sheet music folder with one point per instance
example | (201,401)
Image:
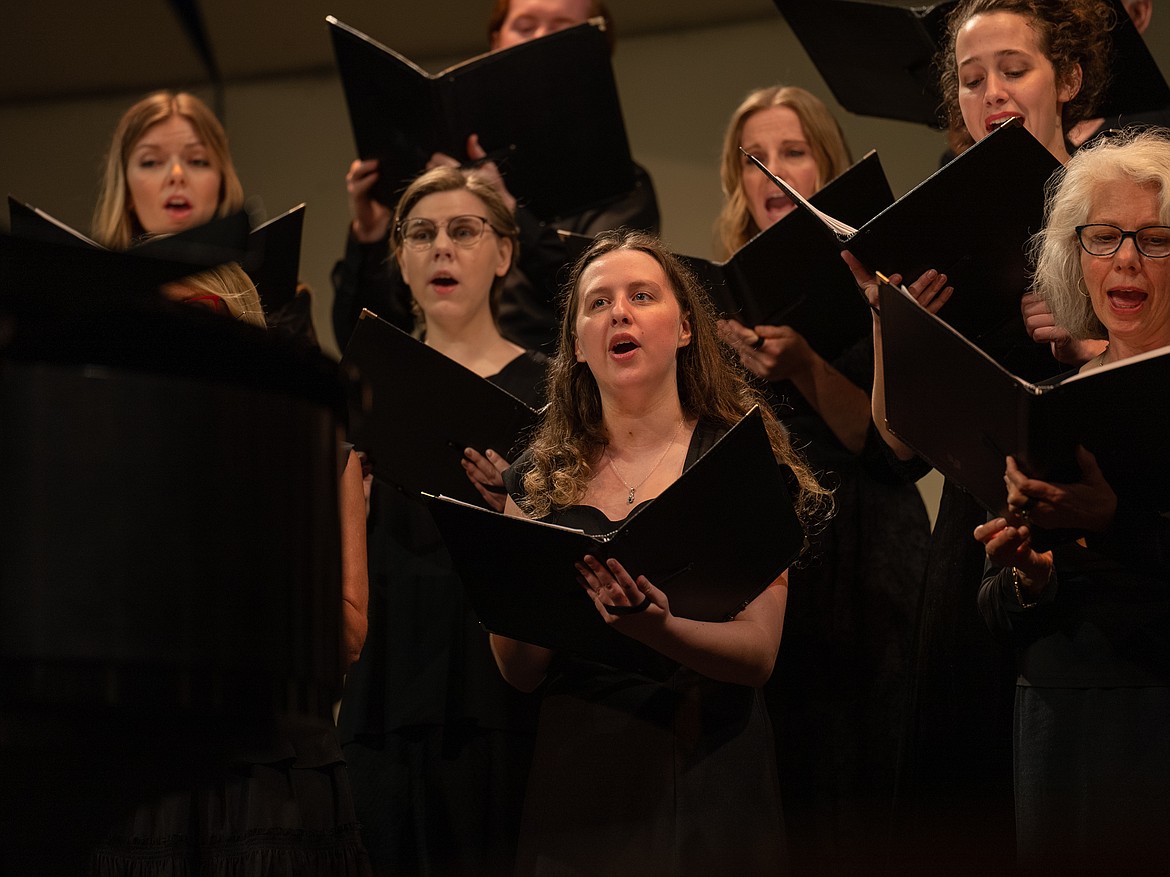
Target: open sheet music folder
(223,239)
(964,413)
(876,57)
(424,409)
(970,220)
(546,111)
(790,274)
(45,264)
(712,541)
(273,259)
(270,256)
(46,276)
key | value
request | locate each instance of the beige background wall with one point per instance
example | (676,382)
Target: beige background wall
(291,139)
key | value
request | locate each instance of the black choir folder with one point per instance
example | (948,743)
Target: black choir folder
(964,413)
(789,274)
(423,409)
(223,239)
(273,259)
(877,57)
(48,264)
(270,253)
(712,541)
(971,220)
(48,276)
(538,108)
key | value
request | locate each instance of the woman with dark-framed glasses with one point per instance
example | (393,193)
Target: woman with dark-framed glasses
(1090,619)
(437,744)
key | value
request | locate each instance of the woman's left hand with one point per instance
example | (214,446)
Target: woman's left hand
(486,472)
(1042,328)
(616,594)
(1088,504)
(774,353)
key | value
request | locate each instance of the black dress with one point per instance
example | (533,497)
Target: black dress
(283,810)
(436,742)
(839,697)
(654,771)
(1092,748)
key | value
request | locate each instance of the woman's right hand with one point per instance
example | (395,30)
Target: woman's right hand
(1010,546)
(371,219)
(486,472)
(931,292)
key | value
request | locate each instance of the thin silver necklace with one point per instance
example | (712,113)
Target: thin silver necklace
(634,489)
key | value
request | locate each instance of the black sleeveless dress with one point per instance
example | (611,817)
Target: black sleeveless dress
(654,771)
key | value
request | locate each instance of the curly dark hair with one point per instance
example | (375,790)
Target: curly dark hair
(1071,32)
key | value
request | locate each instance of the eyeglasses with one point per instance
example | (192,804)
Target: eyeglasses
(1152,241)
(464,231)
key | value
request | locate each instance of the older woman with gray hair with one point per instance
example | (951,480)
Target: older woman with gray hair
(1090,618)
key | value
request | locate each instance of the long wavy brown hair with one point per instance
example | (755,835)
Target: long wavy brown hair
(712,387)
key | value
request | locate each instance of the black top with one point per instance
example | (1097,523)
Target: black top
(426,659)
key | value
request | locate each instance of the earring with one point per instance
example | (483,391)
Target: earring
(1081,288)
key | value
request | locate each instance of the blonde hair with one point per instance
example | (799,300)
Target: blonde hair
(712,387)
(114,224)
(1141,157)
(231,284)
(735,225)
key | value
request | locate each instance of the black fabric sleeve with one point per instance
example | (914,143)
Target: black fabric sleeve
(368,278)
(1138,538)
(1008,619)
(529,312)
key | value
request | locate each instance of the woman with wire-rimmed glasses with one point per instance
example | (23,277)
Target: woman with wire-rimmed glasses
(437,744)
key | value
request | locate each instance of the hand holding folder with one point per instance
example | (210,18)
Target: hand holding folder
(970,220)
(966,414)
(712,542)
(790,274)
(537,108)
(423,409)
